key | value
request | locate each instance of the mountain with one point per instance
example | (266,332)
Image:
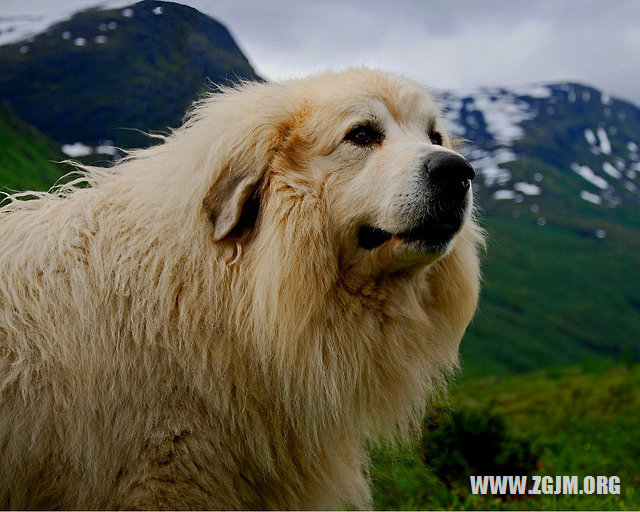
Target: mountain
(559,192)
(533,145)
(88,77)
(558,183)
(27,157)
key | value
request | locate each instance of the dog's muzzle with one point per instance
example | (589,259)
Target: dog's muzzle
(447,178)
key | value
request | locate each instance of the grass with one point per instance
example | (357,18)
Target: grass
(27,158)
(579,421)
(553,296)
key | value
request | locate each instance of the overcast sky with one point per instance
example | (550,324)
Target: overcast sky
(443,43)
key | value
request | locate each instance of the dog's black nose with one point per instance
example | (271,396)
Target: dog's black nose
(451,173)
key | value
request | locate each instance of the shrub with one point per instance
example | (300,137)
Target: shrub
(473,441)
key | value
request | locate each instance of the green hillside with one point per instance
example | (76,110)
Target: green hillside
(553,295)
(27,158)
(562,274)
(572,421)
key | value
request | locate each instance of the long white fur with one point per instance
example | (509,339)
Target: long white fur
(144,364)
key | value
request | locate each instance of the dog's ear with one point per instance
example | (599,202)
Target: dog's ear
(255,120)
(228,197)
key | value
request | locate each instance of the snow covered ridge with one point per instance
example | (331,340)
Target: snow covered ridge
(494,119)
(503,110)
(14,29)
(497,113)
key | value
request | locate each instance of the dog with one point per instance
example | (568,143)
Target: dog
(221,321)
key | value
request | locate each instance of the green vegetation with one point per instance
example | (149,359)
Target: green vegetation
(27,158)
(553,295)
(571,421)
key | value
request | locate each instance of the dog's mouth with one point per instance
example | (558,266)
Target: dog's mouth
(431,235)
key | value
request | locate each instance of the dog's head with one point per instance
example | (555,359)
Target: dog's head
(344,215)
(362,153)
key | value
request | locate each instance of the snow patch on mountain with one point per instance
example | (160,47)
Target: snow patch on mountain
(504,194)
(76,149)
(528,189)
(503,116)
(591,198)
(503,110)
(605,144)
(487,163)
(538,91)
(611,170)
(589,175)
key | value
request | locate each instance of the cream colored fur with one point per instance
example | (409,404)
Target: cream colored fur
(153,357)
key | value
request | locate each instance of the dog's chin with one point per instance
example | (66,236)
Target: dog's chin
(430,238)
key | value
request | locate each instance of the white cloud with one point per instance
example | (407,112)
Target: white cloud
(447,44)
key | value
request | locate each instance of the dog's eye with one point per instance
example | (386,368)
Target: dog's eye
(364,135)
(436,138)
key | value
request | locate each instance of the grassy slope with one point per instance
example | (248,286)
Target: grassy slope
(583,421)
(553,296)
(556,294)
(27,158)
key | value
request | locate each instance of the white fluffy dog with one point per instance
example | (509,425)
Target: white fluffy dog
(221,321)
